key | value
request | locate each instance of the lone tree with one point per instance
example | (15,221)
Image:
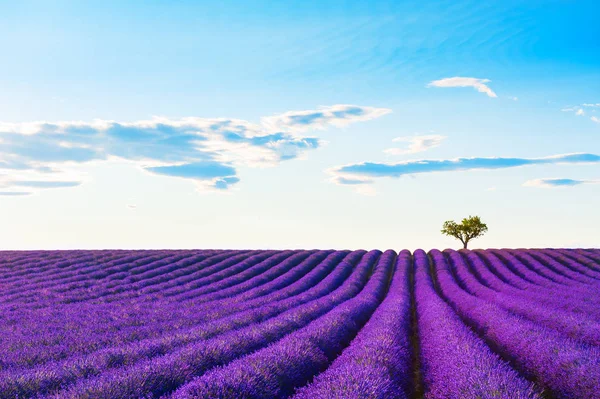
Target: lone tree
(469,228)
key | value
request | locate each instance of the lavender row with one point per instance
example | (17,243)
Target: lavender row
(197,274)
(12,262)
(160,270)
(37,263)
(164,374)
(47,271)
(81,341)
(116,281)
(96,317)
(579,264)
(132,324)
(117,288)
(553,269)
(487,268)
(582,258)
(530,274)
(97,289)
(59,374)
(155,377)
(590,253)
(182,316)
(378,362)
(275,371)
(575,273)
(119,313)
(455,363)
(576,326)
(113,267)
(568,369)
(530,270)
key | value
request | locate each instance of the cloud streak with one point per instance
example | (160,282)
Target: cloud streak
(208,174)
(208,151)
(369,171)
(340,115)
(15,193)
(14,186)
(416,144)
(457,81)
(579,110)
(44,184)
(557,182)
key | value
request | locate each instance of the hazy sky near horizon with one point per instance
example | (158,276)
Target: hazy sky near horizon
(298,124)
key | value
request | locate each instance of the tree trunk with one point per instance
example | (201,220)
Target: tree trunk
(465,244)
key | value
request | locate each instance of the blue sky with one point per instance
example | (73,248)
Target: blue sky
(298,124)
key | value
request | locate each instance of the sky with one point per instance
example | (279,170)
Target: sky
(298,124)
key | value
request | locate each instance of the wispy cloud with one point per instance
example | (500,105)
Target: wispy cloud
(43,183)
(457,81)
(340,115)
(579,110)
(416,144)
(368,171)
(207,151)
(556,183)
(12,185)
(210,174)
(351,181)
(15,193)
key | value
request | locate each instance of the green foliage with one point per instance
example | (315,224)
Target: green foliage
(469,228)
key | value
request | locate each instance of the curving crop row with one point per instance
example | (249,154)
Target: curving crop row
(576,326)
(275,371)
(455,362)
(61,373)
(300,324)
(487,267)
(156,377)
(568,369)
(378,362)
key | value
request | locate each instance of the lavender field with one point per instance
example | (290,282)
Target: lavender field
(300,324)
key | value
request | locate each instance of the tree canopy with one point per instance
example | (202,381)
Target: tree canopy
(469,228)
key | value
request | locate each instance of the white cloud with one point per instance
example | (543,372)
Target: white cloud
(558,182)
(416,144)
(28,181)
(354,181)
(367,172)
(206,150)
(339,115)
(15,193)
(477,84)
(581,112)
